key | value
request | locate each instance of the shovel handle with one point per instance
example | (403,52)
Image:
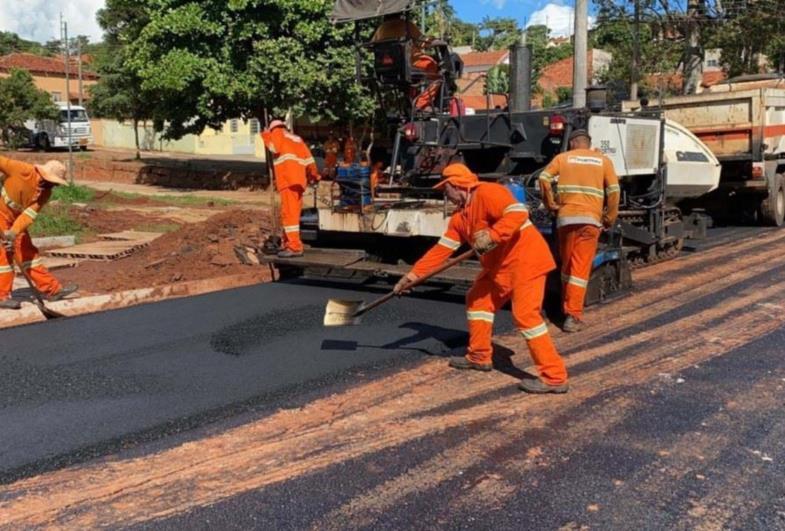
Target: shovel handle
(446,265)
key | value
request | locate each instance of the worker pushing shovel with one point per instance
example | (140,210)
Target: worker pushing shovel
(26,188)
(515,262)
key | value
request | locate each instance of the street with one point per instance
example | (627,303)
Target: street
(214,418)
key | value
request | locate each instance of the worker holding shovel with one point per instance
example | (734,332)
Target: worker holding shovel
(515,262)
(26,188)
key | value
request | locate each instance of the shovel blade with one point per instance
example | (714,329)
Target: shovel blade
(341,312)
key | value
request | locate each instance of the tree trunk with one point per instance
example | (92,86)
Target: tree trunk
(693,58)
(136,138)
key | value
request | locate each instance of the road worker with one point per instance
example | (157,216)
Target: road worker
(515,262)
(26,188)
(396,27)
(349,150)
(587,201)
(294,168)
(331,149)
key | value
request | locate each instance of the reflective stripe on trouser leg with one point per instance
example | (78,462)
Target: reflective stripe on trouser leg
(28,257)
(291,205)
(481,304)
(6,269)
(527,299)
(578,245)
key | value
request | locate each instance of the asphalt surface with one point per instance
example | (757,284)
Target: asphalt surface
(81,387)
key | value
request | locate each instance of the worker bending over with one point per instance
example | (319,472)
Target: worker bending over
(587,201)
(26,188)
(515,261)
(294,168)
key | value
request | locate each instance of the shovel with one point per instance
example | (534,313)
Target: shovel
(343,312)
(39,299)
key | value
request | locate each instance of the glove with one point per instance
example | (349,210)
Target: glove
(607,223)
(400,287)
(483,241)
(9,237)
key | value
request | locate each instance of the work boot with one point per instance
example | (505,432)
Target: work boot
(10,304)
(538,387)
(571,325)
(64,292)
(288,253)
(462,362)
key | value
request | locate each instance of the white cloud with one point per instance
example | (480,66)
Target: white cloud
(558,17)
(39,20)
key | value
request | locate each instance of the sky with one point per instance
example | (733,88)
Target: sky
(38,20)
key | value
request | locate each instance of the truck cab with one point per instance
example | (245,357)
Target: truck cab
(48,134)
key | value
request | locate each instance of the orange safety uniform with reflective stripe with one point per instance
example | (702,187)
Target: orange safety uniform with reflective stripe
(587,184)
(514,270)
(22,200)
(331,149)
(293,167)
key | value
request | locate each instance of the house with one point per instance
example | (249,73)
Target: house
(49,74)
(471,85)
(558,75)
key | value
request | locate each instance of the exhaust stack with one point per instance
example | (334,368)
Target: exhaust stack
(520,77)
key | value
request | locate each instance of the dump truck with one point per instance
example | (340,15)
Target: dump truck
(743,123)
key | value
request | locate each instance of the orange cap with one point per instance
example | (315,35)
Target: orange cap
(458,175)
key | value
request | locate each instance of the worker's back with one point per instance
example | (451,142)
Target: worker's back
(584,175)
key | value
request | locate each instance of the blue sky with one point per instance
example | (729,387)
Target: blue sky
(557,14)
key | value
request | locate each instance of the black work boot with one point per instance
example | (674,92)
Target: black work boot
(462,362)
(10,304)
(287,253)
(64,292)
(538,387)
(571,324)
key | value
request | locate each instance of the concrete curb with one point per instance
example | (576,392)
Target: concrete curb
(98,303)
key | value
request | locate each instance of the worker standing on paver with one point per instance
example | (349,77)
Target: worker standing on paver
(515,262)
(587,201)
(294,169)
(26,188)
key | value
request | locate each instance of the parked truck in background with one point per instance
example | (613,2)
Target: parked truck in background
(49,134)
(743,123)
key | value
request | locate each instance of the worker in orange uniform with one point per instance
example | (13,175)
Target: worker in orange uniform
(515,262)
(349,150)
(294,168)
(588,200)
(396,27)
(331,149)
(26,188)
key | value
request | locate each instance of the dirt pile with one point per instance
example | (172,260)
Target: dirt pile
(193,252)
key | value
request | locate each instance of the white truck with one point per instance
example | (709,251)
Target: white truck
(49,134)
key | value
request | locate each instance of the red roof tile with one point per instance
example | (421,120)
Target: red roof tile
(37,64)
(484,58)
(559,74)
(481,102)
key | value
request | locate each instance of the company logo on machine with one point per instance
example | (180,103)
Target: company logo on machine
(589,161)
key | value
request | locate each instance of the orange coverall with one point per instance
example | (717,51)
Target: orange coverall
(22,200)
(515,269)
(331,149)
(294,168)
(587,184)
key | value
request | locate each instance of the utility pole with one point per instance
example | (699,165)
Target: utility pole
(79,55)
(580,53)
(693,58)
(636,51)
(66,61)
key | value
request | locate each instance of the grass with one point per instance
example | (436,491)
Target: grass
(73,193)
(55,220)
(178,200)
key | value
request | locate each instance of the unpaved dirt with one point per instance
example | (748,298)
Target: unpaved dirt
(193,252)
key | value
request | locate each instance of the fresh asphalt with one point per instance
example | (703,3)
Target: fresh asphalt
(76,388)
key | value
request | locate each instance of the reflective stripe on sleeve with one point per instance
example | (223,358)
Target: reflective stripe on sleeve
(575,281)
(527,224)
(478,315)
(451,244)
(515,207)
(545,176)
(6,269)
(537,331)
(295,158)
(32,263)
(291,228)
(586,190)
(612,189)
(29,212)
(13,205)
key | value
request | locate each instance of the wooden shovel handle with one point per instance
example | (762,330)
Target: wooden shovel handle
(446,265)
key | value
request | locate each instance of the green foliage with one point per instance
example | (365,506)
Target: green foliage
(73,193)
(498,80)
(12,43)
(747,34)
(542,54)
(20,100)
(497,34)
(56,220)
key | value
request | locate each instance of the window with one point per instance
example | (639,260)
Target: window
(255,126)
(233,125)
(56,96)
(77,115)
(712,63)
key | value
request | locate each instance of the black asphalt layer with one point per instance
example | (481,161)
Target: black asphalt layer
(76,388)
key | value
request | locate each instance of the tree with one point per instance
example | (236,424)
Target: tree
(11,42)
(20,101)
(211,60)
(750,33)
(497,34)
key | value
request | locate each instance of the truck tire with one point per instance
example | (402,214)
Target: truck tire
(43,142)
(772,209)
